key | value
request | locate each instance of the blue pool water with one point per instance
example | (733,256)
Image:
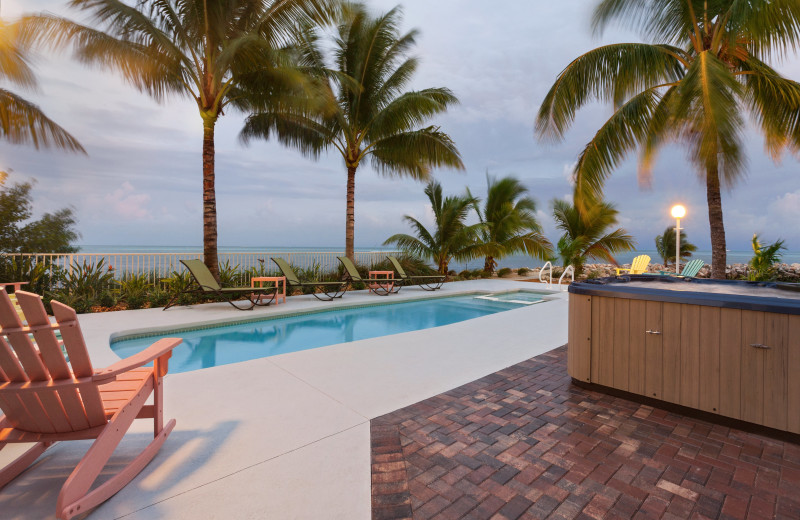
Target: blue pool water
(233,343)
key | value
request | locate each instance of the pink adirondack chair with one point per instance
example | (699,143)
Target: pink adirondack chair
(45,401)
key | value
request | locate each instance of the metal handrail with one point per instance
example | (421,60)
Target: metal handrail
(569,269)
(541,271)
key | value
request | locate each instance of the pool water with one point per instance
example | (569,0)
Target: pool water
(211,347)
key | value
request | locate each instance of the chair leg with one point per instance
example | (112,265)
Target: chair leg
(75,498)
(11,471)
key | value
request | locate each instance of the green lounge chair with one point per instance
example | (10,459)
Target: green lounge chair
(206,284)
(427,282)
(330,290)
(690,270)
(380,286)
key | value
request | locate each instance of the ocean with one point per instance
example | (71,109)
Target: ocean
(514,262)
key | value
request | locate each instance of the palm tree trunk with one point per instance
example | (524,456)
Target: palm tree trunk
(209,201)
(718,254)
(488,264)
(351,216)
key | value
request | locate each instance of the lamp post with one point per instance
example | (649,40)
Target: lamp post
(678,212)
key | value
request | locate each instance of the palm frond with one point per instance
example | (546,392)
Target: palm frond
(22,122)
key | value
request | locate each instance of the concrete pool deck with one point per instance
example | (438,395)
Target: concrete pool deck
(287,436)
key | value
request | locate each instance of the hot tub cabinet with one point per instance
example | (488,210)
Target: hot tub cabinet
(727,348)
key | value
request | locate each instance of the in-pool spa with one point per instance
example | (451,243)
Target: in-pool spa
(730,348)
(221,345)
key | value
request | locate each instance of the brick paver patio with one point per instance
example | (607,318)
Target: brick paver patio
(526,443)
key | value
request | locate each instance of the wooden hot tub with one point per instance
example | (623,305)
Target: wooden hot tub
(722,347)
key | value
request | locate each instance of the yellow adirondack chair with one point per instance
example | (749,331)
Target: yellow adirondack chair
(638,266)
(45,399)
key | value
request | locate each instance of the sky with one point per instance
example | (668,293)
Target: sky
(141,181)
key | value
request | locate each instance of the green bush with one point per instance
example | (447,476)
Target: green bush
(505,271)
(522,271)
(88,281)
(135,302)
(107,299)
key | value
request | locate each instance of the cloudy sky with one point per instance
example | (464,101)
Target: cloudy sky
(141,182)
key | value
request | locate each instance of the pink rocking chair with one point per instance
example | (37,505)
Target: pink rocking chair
(44,400)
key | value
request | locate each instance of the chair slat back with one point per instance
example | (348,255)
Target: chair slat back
(397,267)
(692,268)
(287,271)
(46,410)
(639,264)
(350,268)
(202,275)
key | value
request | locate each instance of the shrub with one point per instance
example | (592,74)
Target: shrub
(522,271)
(107,299)
(88,281)
(480,273)
(135,302)
(505,271)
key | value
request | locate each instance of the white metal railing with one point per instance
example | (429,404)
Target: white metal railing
(161,265)
(548,266)
(569,269)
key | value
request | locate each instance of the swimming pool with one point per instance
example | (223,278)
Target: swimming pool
(222,345)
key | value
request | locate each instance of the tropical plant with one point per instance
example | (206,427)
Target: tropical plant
(692,86)
(373,115)
(222,54)
(23,122)
(765,256)
(451,238)
(510,225)
(586,233)
(665,245)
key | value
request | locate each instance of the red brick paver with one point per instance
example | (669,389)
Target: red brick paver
(526,443)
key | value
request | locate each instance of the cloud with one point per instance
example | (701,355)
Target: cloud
(129,204)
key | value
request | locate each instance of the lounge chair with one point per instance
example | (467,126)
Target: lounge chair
(380,286)
(206,284)
(690,270)
(330,290)
(427,282)
(638,266)
(44,401)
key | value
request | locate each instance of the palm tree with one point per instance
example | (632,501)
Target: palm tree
(692,86)
(218,53)
(510,225)
(765,256)
(22,122)
(451,239)
(586,233)
(665,245)
(373,116)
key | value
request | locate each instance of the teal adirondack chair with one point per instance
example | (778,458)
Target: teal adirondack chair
(690,270)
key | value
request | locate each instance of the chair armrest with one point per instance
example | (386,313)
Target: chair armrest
(160,348)
(621,269)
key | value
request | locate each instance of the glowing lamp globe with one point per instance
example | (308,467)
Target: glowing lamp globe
(678,211)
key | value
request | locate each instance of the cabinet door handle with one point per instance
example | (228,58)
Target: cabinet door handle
(760,345)
(657,333)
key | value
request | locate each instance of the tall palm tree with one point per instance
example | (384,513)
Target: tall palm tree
(510,225)
(373,115)
(586,233)
(705,70)
(665,245)
(216,52)
(451,239)
(22,122)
